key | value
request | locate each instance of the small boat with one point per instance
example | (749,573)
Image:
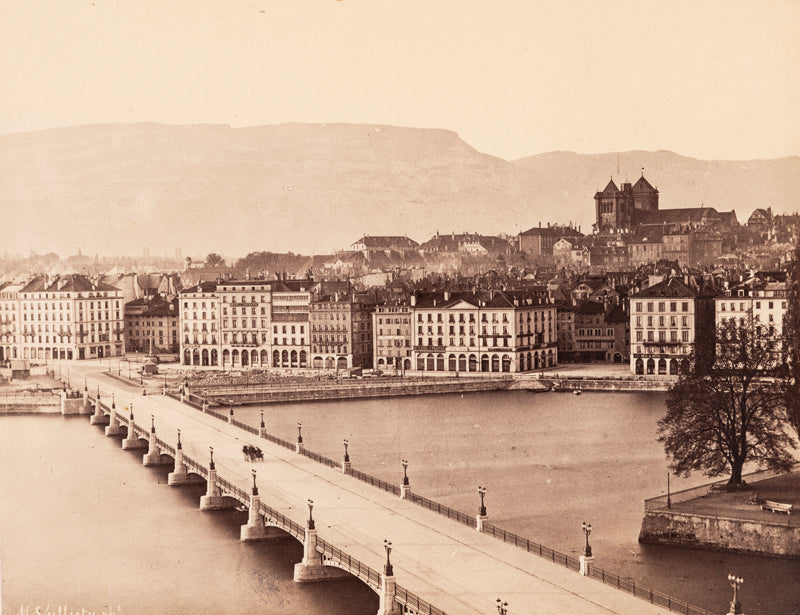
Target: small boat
(576,392)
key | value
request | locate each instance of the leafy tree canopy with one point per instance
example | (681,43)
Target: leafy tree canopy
(719,419)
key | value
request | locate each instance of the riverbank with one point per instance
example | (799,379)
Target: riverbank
(739,522)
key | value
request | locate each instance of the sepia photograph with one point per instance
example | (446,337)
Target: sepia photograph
(433,307)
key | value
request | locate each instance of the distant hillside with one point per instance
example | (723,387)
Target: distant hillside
(117,189)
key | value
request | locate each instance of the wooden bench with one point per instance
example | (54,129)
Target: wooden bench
(776,507)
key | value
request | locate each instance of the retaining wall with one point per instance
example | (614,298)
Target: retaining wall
(721,533)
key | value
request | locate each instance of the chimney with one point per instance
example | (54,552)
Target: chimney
(413,300)
(446,295)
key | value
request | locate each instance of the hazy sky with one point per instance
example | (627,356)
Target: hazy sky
(709,79)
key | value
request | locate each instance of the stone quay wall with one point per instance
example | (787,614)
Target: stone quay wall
(776,538)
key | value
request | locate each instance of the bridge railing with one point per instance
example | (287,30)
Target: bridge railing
(320,458)
(450,513)
(195,466)
(532,547)
(645,593)
(376,482)
(282,521)
(349,563)
(414,604)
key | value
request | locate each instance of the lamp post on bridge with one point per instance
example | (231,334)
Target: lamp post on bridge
(211,462)
(179,445)
(405,488)
(255,489)
(502,607)
(387,568)
(346,456)
(113,403)
(587,529)
(298,447)
(482,509)
(85,386)
(736,583)
(152,423)
(586,558)
(310,517)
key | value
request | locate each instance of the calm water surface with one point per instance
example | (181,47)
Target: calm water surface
(83,523)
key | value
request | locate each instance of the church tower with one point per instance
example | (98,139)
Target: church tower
(613,208)
(645,197)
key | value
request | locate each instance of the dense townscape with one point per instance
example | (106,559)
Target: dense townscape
(639,289)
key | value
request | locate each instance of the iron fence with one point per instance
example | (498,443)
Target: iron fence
(645,593)
(532,547)
(450,513)
(352,565)
(320,458)
(415,603)
(376,482)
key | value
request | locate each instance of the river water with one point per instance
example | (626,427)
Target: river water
(84,525)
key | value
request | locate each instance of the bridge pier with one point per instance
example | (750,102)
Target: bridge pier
(212,500)
(312,569)
(113,424)
(131,441)
(98,417)
(86,408)
(255,528)
(386,601)
(153,455)
(179,475)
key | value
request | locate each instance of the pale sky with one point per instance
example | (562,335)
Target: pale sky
(708,79)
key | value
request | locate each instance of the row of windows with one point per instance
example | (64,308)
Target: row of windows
(662,321)
(488,342)
(662,336)
(673,306)
(742,308)
(396,321)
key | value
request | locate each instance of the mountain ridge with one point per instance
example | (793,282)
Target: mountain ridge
(315,188)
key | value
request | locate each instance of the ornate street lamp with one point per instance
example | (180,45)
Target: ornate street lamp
(179,440)
(299,433)
(502,607)
(387,569)
(262,420)
(482,493)
(310,517)
(346,456)
(85,387)
(736,583)
(211,463)
(405,471)
(255,489)
(152,423)
(113,403)
(587,529)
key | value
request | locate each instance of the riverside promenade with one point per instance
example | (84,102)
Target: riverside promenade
(446,565)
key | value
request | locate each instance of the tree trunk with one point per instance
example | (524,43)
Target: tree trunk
(736,474)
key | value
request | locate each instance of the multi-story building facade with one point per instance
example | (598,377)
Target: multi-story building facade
(151,325)
(245,321)
(291,337)
(665,320)
(9,321)
(69,317)
(341,332)
(199,325)
(393,334)
(493,331)
(759,302)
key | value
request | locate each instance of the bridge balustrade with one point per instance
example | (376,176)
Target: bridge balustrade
(376,482)
(532,547)
(414,604)
(645,593)
(450,513)
(346,562)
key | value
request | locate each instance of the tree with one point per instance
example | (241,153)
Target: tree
(791,337)
(214,260)
(721,418)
